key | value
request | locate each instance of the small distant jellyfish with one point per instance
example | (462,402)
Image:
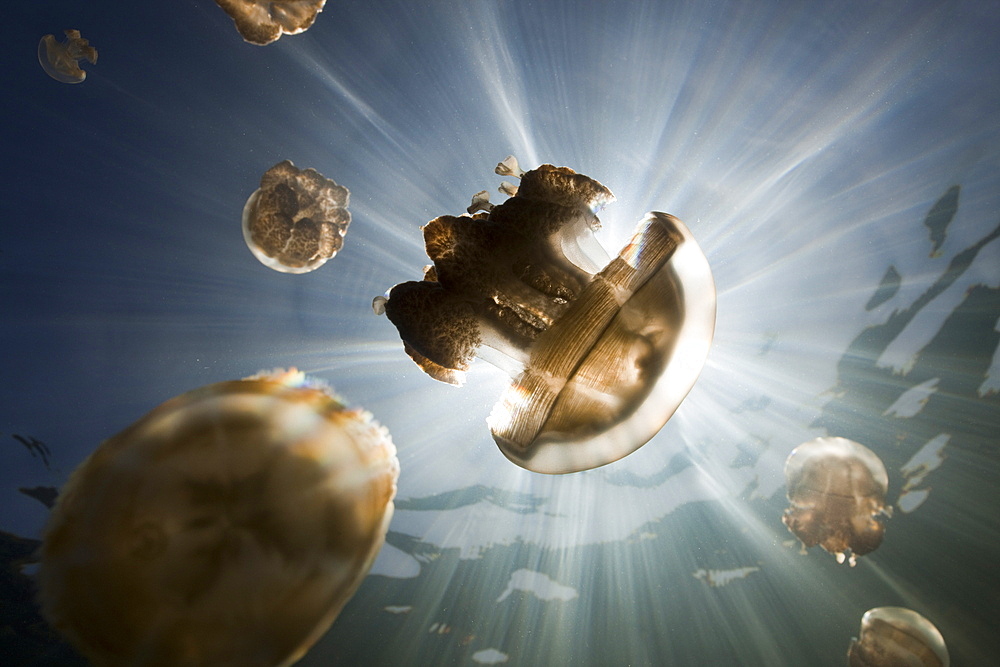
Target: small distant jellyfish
(600,353)
(296,220)
(264,21)
(892,636)
(60,59)
(229,526)
(837,492)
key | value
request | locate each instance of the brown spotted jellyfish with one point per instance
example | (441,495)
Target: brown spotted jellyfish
(837,489)
(228,526)
(600,353)
(296,220)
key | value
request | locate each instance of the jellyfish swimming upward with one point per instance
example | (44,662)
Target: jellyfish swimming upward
(837,492)
(296,220)
(601,353)
(228,526)
(60,60)
(892,636)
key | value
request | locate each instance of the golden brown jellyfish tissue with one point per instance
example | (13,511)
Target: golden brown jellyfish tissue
(60,60)
(296,220)
(892,636)
(837,492)
(264,21)
(228,526)
(601,353)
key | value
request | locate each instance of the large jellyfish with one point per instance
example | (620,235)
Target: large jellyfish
(60,59)
(228,526)
(837,491)
(296,220)
(600,358)
(892,636)
(264,21)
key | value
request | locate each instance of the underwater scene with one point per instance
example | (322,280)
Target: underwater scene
(500,332)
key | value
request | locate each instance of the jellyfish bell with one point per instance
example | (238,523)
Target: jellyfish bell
(893,636)
(601,353)
(837,492)
(228,526)
(261,22)
(296,220)
(60,60)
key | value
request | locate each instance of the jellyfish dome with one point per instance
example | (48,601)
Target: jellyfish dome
(60,60)
(837,492)
(228,526)
(296,220)
(600,353)
(893,636)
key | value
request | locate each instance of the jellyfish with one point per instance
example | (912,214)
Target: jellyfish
(60,59)
(296,220)
(893,636)
(264,21)
(837,492)
(601,353)
(228,526)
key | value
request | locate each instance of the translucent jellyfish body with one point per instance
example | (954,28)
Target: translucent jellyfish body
(264,21)
(296,220)
(892,636)
(837,491)
(600,353)
(60,60)
(228,526)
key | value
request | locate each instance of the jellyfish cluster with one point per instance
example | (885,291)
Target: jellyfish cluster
(61,60)
(228,526)
(296,220)
(231,524)
(601,353)
(264,21)
(836,489)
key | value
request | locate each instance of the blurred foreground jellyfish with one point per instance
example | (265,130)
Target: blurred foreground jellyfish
(896,636)
(60,59)
(837,489)
(296,220)
(228,526)
(264,21)
(601,353)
